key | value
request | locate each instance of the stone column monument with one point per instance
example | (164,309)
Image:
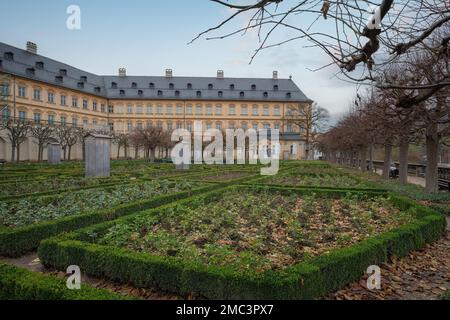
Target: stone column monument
(97,163)
(54,153)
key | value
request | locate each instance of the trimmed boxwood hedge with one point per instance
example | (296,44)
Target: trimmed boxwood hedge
(15,242)
(306,280)
(20,284)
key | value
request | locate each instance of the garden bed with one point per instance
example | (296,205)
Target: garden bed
(250,242)
(24,223)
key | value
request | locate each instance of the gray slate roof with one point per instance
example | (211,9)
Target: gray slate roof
(173,88)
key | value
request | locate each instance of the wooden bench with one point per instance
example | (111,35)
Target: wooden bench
(444,184)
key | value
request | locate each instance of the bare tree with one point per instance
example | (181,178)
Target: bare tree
(311,121)
(122,140)
(67,137)
(359,36)
(17,132)
(43,135)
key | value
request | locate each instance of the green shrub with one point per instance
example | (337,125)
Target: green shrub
(309,279)
(20,284)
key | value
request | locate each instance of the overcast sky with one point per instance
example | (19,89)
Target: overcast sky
(148,36)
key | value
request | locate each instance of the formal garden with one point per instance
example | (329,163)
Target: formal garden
(210,232)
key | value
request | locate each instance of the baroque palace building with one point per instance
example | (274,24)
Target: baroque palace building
(43,90)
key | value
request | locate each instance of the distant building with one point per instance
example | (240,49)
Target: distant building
(47,91)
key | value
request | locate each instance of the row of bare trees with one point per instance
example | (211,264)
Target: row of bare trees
(147,139)
(391,114)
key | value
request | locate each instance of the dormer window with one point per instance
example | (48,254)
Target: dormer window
(253,86)
(288,95)
(80,85)
(242,94)
(210,86)
(58,79)
(122,92)
(83,79)
(113,85)
(140,92)
(189,85)
(171,86)
(177,93)
(151,85)
(97,89)
(30,72)
(9,56)
(39,65)
(63,72)
(231,86)
(275,87)
(199,94)
(134,85)
(220,94)
(160,93)
(265,94)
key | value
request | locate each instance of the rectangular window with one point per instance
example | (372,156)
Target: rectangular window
(276,111)
(4,89)
(149,109)
(37,94)
(139,109)
(85,104)
(139,125)
(218,110)
(289,128)
(208,126)
(129,109)
(208,110)
(22,115)
(244,110)
(231,126)
(22,92)
(63,121)
(169,126)
(74,102)
(218,126)
(169,109)
(85,122)
(51,119)
(102,108)
(231,110)
(130,126)
(51,97)
(266,110)
(255,110)
(179,110)
(74,122)
(63,100)
(255,126)
(266,126)
(244,126)
(94,106)
(189,109)
(110,109)
(277,126)
(159,109)
(179,125)
(198,110)
(37,117)
(189,127)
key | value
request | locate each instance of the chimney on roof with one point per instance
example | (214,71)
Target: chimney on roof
(169,73)
(275,75)
(122,72)
(31,47)
(220,74)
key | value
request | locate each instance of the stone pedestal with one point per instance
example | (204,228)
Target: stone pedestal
(97,163)
(54,153)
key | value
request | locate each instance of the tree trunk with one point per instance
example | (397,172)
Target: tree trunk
(136,151)
(126,151)
(387,160)
(432,146)
(152,154)
(83,145)
(371,158)
(118,151)
(69,151)
(363,159)
(13,153)
(403,157)
(18,153)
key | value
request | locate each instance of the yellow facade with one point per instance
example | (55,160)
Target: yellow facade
(35,101)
